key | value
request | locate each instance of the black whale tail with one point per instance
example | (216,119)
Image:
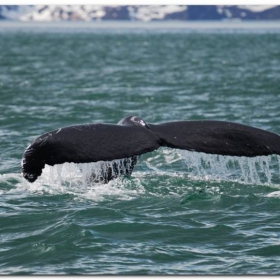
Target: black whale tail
(133,137)
(217,137)
(90,143)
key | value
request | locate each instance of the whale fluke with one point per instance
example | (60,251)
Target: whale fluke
(218,137)
(132,137)
(84,144)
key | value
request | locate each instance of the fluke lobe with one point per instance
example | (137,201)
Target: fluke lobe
(132,136)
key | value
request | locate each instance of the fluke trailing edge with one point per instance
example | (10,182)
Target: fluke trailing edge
(132,137)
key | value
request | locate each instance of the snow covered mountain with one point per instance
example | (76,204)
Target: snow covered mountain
(137,13)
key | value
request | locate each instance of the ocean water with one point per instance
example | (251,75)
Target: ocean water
(179,212)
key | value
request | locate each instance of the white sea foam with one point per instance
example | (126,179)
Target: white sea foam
(81,181)
(78,179)
(274,194)
(82,173)
(256,170)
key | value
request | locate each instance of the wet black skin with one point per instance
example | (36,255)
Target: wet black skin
(132,136)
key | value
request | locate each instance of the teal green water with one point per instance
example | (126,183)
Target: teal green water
(167,218)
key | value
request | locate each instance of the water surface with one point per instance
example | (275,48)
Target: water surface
(173,216)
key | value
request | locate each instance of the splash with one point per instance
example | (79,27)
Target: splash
(86,173)
(257,170)
(84,181)
(167,177)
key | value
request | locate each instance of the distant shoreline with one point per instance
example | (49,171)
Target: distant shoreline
(128,25)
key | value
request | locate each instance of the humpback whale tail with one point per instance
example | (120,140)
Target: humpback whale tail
(132,137)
